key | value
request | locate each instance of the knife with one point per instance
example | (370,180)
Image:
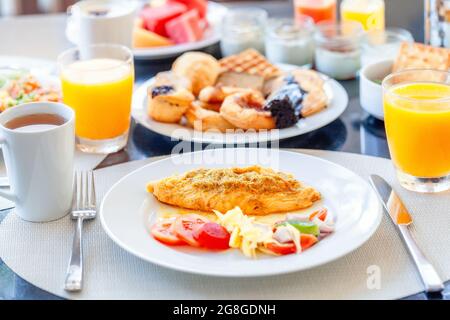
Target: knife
(402,219)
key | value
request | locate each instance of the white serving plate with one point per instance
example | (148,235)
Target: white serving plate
(338,101)
(215,14)
(127,212)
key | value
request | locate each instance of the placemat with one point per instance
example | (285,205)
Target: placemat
(380,269)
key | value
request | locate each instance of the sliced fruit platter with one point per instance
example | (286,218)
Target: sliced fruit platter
(168,28)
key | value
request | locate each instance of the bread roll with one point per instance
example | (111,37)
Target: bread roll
(200,68)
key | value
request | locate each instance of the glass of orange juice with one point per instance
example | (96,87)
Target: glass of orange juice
(370,13)
(318,10)
(417,120)
(97,82)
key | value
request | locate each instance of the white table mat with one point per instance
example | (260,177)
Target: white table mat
(39,253)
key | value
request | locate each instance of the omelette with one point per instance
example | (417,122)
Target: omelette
(256,190)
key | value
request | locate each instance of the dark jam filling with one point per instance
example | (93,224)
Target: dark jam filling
(285,105)
(162,90)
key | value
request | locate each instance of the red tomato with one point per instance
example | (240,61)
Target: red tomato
(321,214)
(212,236)
(307,240)
(184,227)
(163,232)
(281,248)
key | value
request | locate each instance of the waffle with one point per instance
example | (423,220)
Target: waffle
(249,61)
(420,56)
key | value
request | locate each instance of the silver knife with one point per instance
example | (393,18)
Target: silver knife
(402,219)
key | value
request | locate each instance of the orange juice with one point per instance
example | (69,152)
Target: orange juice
(99,90)
(417,118)
(318,10)
(370,13)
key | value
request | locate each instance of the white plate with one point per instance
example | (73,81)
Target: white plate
(336,106)
(128,210)
(34,65)
(44,70)
(212,36)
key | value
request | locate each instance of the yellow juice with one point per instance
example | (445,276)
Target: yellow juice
(99,90)
(370,13)
(418,128)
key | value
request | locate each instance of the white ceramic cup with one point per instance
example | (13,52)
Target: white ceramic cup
(370,92)
(39,164)
(114,27)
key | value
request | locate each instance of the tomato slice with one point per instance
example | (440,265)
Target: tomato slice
(307,240)
(321,214)
(281,248)
(212,235)
(184,227)
(163,232)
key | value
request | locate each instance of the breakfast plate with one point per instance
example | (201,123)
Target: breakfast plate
(128,211)
(338,101)
(212,36)
(35,65)
(34,79)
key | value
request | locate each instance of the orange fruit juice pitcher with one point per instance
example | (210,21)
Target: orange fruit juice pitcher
(99,90)
(417,120)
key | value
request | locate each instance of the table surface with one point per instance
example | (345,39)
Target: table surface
(355,131)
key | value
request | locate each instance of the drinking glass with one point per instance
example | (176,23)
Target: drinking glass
(338,48)
(318,10)
(417,120)
(289,41)
(243,29)
(97,82)
(370,13)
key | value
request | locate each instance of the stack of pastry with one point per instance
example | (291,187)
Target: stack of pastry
(242,91)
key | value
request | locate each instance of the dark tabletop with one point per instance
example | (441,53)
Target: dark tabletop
(354,131)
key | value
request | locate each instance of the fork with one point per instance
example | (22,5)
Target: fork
(83,208)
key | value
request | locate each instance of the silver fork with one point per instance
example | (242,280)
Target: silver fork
(83,208)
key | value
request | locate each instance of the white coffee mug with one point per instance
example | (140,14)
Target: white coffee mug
(39,164)
(101,21)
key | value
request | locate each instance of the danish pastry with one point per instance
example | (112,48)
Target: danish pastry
(244,110)
(168,78)
(310,81)
(167,103)
(217,94)
(200,68)
(316,98)
(205,120)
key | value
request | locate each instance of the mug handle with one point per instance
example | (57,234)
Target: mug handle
(7,194)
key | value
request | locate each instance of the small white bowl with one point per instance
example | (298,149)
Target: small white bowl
(370,92)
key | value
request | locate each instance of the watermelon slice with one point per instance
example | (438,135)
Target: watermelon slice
(185,28)
(200,5)
(155,18)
